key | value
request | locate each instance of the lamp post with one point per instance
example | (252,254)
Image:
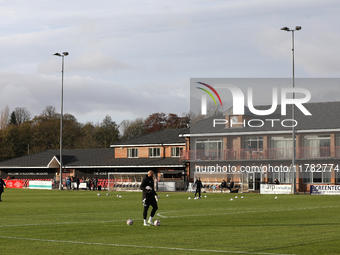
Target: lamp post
(297,28)
(62,55)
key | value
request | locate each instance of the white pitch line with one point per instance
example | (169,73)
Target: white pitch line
(230,213)
(140,246)
(61,223)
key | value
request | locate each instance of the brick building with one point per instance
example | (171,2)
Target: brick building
(261,147)
(158,151)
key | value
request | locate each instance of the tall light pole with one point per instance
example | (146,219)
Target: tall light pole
(62,55)
(297,28)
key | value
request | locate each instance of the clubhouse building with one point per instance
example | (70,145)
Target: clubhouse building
(253,150)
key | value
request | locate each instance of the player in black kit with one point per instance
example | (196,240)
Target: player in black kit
(149,197)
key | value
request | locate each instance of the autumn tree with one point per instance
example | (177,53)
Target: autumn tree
(155,122)
(174,121)
(159,121)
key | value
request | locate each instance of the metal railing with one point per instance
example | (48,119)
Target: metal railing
(260,154)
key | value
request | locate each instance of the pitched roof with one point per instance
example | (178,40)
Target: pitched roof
(76,157)
(79,158)
(325,115)
(102,157)
(165,136)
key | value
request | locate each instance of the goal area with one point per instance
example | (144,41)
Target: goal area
(125,181)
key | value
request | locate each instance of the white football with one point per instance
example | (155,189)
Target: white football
(157,223)
(231,199)
(189,197)
(148,189)
(107,194)
(98,195)
(129,222)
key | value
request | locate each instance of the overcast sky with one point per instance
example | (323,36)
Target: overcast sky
(129,59)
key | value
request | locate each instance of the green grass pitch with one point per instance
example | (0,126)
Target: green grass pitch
(80,222)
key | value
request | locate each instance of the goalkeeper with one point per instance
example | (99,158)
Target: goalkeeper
(149,197)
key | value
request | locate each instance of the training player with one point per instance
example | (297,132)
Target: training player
(149,197)
(198,185)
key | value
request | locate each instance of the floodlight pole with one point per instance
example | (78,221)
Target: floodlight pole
(297,28)
(61,116)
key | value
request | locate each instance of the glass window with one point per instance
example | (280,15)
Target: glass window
(154,152)
(281,147)
(316,146)
(208,148)
(316,175)
(132,152)
(282,177)
(253,142)
(176,151)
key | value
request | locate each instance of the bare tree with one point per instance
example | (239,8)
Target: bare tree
(22,115)
(49,111)
(214,110)
(4,118)
(131,129)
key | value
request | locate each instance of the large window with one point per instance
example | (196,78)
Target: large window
(253,142)
(252,147)
(316,146)
(154,152)
(311,175)
(282,177)
(132,152)
(208,148)
(281,147)
(176,151)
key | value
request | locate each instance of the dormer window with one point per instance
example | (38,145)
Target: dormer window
(132,152)
(176,151)
(154,152)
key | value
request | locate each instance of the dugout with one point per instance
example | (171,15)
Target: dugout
(212,181)
(125,181)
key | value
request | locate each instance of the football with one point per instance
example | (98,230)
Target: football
(129,222)
(157,223)
(148,189)
(98,194)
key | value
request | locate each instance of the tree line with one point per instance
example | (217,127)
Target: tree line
(22,135)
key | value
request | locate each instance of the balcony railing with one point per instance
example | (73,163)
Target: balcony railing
(258,154)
